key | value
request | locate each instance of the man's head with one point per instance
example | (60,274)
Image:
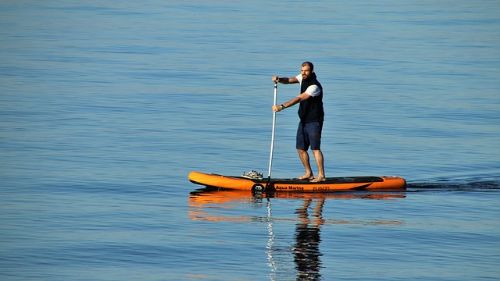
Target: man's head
(307,70)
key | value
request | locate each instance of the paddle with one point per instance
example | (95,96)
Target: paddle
(270,231)
(272,136)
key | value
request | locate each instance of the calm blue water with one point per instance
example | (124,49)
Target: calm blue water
(105,107)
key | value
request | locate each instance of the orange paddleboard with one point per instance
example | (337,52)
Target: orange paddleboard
(332,184)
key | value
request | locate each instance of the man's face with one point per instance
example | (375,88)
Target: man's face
(305,72)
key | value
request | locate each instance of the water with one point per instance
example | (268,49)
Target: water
(105,107)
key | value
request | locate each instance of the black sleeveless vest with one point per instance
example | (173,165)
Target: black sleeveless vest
(311,110)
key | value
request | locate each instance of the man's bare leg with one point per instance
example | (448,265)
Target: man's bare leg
(318,155)
(304,158)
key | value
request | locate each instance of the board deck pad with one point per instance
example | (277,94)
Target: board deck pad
(327,180)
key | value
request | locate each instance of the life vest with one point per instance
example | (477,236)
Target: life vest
(311,110)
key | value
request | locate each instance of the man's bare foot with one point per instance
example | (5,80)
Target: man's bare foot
(306,177)
(318,179)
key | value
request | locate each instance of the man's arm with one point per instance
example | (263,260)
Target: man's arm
(285,80)
(292,102)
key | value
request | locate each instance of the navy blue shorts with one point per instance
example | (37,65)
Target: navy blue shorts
(309,135)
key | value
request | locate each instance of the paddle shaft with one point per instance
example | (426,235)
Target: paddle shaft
(273,132)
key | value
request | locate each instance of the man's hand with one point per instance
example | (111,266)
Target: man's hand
(276,108)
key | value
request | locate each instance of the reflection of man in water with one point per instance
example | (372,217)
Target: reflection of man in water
(306,251)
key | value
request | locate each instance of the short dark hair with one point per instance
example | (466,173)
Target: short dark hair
(308,63)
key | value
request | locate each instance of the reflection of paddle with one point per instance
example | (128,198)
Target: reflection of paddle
(270,241)
(272,137)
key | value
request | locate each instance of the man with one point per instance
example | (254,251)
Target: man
(311,116)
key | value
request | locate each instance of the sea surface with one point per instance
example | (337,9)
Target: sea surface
(105,107)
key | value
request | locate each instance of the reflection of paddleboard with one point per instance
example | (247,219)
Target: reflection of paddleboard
(203,201)
(296,185)
(211,196)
